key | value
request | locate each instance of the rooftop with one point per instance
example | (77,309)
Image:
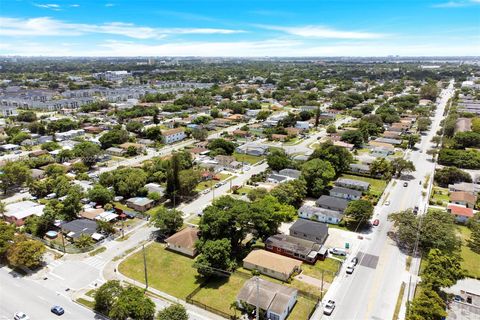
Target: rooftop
(272,261)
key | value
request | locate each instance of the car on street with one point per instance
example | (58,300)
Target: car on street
(20,316)
(57,310)
(350,269)
(376,222)
(405,184)
(338,251)
(354,261)
(415,210)
(387,203)
(329,307)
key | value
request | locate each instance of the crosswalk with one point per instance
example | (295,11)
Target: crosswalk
(96,262)
(55,263)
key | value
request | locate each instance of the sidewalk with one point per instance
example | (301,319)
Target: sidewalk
(110,272)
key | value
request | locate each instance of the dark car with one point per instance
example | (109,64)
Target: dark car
(57,310)
(405,184)
(354,261)
(415,210)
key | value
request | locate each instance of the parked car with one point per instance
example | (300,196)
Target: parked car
(376,222)
(338,251)
(20,316)
(387,203)
(415,209)
(329,307)
(57,310)
(354,261)
(405,184)
(350,269)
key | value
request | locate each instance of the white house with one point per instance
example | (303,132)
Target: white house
(319,214)
(173,135)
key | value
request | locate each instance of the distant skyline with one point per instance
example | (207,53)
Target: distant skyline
(240,28)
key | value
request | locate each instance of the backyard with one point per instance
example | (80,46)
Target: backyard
(209,183)
(439,196)
(376,185)
(470,258)
(329,266)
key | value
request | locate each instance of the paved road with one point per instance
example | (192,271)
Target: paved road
(22,294)
(371,291)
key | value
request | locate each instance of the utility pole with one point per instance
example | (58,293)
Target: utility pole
(257,279)
(123,228)
(63,243)
(321,289)
(145,267)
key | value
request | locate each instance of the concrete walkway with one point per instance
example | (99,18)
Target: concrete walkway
(312,281)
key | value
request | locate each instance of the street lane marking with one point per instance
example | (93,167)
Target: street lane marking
(57,276)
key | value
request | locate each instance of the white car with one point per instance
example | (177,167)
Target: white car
(328,309)
(387,203)
(20,316)
(350,269)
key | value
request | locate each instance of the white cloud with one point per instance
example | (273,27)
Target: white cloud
(45,26)
(74,5)
(324,32)
(272,48)
(109,5)
(456,4)
(51,6)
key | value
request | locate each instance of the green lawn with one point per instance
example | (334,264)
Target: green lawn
(167,271)
(221,292)
(292,142)
(97,251)
(440,195)
(302,309)
(121,206)
(240,157)
(330,266)
(194,220)
(470,258)
(87,303)
(208,184)
(376,185)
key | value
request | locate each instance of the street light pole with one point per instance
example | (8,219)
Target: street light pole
(257,279)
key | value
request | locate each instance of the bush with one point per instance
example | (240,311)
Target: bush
(468,159)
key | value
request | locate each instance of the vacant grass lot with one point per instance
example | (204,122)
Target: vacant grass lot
(470,259)
(376,185)
(440,196)
(240,157)
(167,271)
(330,266)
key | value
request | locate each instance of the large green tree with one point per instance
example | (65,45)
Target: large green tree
(26,253)
(359,211)
(442,269)
(381,167)
(277,159)
(317,174)
(168,221)
(401,166)
(14,174)
(88,152)
(100,195)
(113,137)
(291,192)
(215,257)
(7,232)
(339,157)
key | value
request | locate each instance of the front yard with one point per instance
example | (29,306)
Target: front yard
(302,309)
(329,266)
(439,196)
(208,184)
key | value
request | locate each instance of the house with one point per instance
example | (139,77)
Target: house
(114,151)
(352,184)
(155,187)
(107,216)
(345,145)
(463,125)
(461,213)
(141,204)
(173,135)
(139,147)
(319,214)
(16,213)
(463,198)
(332,203)
(37,174)
(184,241)
(279,137)
(275,300)
(276,178)
(240,133)
(360,168)
(252,149)
(464,186)
(345,193)
(224,161)
(272,264)
(9,147)
(293,247)
(91,213)
(291,173)
(75,228)
(302,125)
(309,230)
(292,132)
(466,304)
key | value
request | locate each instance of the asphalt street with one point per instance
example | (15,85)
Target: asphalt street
(371,291)
(22,294)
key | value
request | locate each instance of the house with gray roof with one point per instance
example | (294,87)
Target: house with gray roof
(332,203)
(309,230)
(274,300)
(291,173)
(141,204)
(345,193)
(319,214)
(352,184)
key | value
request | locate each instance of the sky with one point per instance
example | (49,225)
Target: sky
(246,28)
